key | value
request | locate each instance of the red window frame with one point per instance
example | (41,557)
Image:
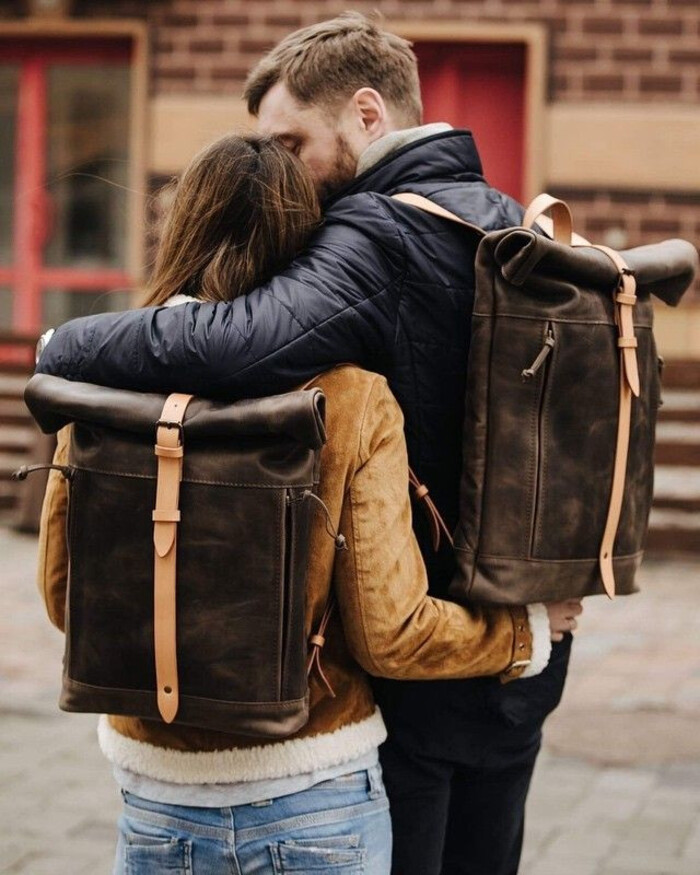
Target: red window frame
(28,276)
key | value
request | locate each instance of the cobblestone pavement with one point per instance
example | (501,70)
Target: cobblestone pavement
(616,791)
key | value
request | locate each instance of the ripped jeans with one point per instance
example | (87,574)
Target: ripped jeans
(341,826)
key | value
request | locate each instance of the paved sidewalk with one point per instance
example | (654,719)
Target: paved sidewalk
(616,792)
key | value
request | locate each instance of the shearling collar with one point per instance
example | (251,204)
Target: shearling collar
(396,140)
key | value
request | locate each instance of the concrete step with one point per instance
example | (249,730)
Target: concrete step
(674,522)
(676,483)
(13,411)
(674,530)
(12,385)
(8,494)
(681,399)
(10,462)
(680,405)
(678,443)
(682,374)
(16,438)
(674,431)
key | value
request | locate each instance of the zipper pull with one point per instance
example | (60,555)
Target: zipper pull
(530,372)
(23,472)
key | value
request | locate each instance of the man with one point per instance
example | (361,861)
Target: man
(389,288)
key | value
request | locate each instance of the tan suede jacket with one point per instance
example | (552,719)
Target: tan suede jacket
(386,624)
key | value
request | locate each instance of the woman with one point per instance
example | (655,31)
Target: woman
(208,802)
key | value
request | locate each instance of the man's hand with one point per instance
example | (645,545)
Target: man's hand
(562,617)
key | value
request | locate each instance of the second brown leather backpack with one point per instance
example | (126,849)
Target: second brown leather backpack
(563,386)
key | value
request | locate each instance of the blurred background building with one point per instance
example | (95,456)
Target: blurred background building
(101,101)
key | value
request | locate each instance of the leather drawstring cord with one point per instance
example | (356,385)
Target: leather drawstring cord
(437,524)
(316,643)
(23,472)
(318,639)
(340,542)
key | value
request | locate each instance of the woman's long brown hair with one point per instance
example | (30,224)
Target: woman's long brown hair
(242,210)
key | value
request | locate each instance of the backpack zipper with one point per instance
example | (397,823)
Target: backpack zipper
(529,373)
(549,341)
(287,570)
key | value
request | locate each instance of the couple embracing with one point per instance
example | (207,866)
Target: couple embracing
(283,257)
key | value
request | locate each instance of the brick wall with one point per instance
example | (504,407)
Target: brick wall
(612,49)
(619,50)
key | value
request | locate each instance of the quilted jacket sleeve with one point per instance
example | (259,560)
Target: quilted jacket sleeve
(393,627)
(336,302)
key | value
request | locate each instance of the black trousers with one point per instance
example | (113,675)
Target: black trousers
(457,768)
(451,819)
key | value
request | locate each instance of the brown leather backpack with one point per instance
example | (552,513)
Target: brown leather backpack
(563,387)
(188,531)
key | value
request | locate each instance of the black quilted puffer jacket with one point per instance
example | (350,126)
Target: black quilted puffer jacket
(382,285)
(387,287)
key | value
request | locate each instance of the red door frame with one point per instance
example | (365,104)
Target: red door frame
(27,276)
(480,87)
(534,38)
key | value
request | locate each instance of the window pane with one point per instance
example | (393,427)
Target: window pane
(60,305)
(5,307)
(88,165)
(8,126)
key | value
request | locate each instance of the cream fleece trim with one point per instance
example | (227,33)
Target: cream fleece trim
(541,640)
(174,300)
(395,140)
(296,756)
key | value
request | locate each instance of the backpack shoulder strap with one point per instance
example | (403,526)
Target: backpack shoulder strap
(422,203)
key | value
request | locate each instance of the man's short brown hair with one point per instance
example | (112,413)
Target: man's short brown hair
(327,62)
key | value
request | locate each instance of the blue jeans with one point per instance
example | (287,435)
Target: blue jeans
(340,826)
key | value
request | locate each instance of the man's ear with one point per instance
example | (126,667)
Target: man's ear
(371,113)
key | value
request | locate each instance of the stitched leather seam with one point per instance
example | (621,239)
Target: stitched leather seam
(189,480)
(288,704)
(593,559)
(561,321)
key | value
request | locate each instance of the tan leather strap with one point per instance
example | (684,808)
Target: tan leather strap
(169,449)
(428,206)
(625,299)
(563,223)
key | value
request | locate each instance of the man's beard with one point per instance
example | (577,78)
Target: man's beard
(342,172)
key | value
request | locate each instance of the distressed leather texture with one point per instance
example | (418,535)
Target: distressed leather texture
(539,449)
(386,623)
(241,563)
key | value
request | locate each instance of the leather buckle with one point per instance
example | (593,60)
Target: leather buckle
(167,423)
